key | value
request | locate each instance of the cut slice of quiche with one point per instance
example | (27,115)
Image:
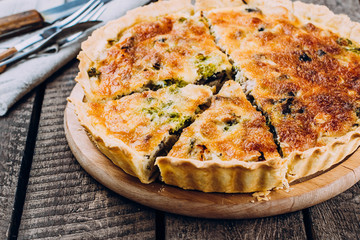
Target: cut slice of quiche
(150,48)
(133,130)
(228,148)
(300,72)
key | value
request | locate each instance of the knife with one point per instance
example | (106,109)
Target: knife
(32,19)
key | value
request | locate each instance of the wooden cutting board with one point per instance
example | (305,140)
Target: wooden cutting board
(198,204)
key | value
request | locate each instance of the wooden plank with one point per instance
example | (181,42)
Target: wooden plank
(62,200)
(339,217)
(14,128)
(287,226)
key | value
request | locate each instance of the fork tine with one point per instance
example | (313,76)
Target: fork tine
(77,14)
(94,15)
(85,15)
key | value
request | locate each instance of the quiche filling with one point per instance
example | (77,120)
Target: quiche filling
(292,110)
(231,129)
(157,53)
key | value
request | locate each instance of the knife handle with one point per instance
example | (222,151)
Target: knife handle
(2,68)
(7,53)
(20,22)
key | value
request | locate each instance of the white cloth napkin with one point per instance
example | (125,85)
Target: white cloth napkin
(22,77)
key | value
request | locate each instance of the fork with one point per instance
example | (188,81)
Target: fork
(73,19)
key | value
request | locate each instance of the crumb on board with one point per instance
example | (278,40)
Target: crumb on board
(261,196)
(264,196)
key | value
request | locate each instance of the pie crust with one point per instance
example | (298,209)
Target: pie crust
(214,175)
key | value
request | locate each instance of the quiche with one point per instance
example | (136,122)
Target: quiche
(224,96)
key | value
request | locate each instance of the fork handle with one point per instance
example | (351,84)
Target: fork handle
(20,22)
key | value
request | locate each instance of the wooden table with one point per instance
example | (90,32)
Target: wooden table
(44,193)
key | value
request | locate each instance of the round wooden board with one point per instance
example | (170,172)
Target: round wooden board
(198,204)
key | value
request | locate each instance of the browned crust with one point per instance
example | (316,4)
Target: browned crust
(302,164)
(229,177)
(322,17)
(206,5)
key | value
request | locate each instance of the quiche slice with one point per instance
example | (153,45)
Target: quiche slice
(301,70)
(228,148)
(151,47)
(133,130)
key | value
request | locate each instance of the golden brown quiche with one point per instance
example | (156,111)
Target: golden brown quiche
(158,94)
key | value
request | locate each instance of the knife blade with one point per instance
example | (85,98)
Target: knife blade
(30,20)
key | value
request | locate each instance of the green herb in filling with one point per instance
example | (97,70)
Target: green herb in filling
(230,123)
(206,70)
(165,83)
(348,45)
(93,72)
(344,42)
(182,19)
(354,50)
(183,122)
(111,42)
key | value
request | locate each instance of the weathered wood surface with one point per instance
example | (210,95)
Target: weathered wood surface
(288,226)
(62,200)
(339,217)
(13,129)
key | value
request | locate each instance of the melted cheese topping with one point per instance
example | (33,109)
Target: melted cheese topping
(305,79)
(231,129)
(157,53)
(143,120)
